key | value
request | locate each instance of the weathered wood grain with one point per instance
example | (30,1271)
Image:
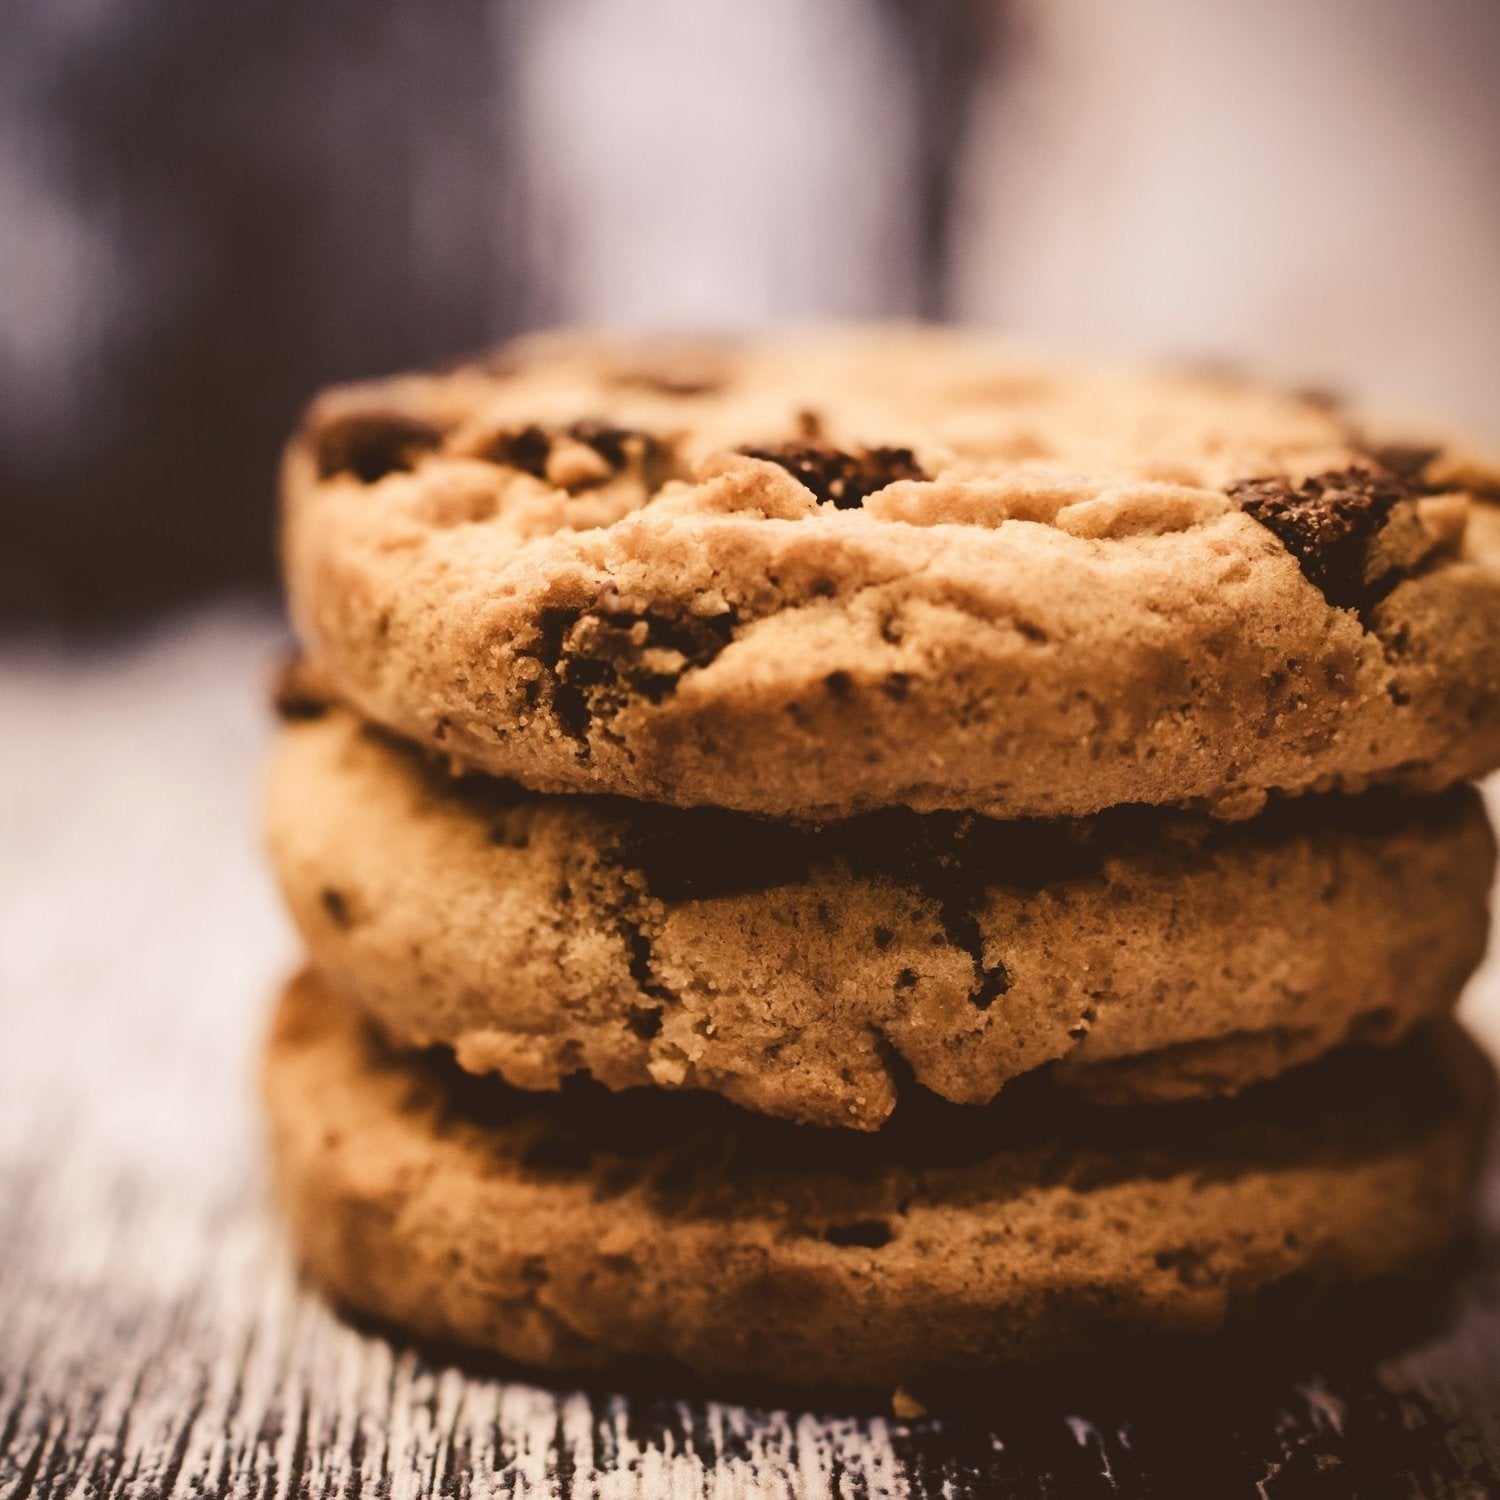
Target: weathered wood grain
(153,1341)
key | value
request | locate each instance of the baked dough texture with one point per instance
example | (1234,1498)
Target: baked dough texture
(1147,957)
(823,573)
(595,1229)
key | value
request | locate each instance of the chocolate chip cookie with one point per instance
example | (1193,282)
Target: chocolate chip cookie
(1142,955)
(592,1230)
(815,575)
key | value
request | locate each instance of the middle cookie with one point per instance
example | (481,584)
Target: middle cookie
(802,973)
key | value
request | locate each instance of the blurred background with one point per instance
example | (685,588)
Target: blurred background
(209,210)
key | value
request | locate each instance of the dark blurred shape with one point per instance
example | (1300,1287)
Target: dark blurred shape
(950,45)
(253,200)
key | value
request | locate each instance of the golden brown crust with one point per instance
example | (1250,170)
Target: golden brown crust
(1076,589)
(800,974)
(582,1233)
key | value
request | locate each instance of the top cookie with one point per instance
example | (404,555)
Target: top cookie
(829,572)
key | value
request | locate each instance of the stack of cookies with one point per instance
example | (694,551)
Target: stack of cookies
(862,855)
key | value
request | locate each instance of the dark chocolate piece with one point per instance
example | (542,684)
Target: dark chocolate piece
(372,444)
(1327,523)
(845,479)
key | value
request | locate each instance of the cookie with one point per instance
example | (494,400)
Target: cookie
(827,573)
(586,1230)
(1148,956)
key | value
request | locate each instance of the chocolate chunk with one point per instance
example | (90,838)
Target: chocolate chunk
(846,479)
(372,444)
(597,656)
(610,636)
(1327,523)
(529,448)
(608,441)
(624,447)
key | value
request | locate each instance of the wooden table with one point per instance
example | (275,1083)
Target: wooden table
(153,1340)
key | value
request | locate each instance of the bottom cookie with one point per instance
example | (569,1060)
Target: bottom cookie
(584,1230)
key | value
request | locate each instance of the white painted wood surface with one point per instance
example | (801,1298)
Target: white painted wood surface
(153,1340)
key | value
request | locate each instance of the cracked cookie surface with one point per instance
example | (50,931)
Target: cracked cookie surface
(1148,956)
(592,1230)
(819,574)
